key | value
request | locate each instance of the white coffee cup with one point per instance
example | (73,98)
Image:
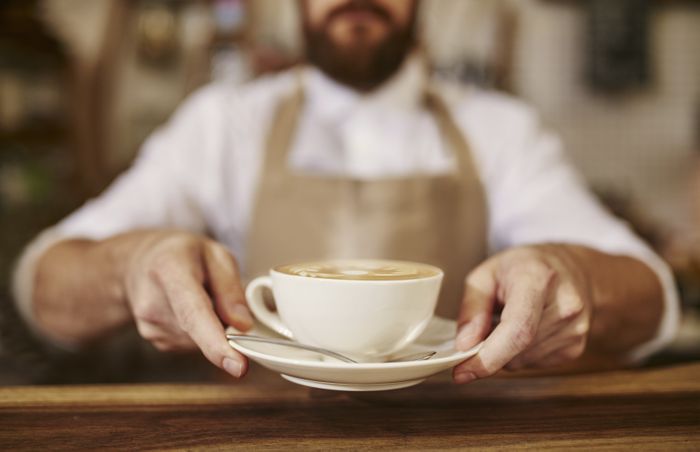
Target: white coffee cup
(365,318)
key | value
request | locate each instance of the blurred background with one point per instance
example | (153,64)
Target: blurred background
(83,82)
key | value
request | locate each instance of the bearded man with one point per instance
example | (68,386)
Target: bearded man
(360,152)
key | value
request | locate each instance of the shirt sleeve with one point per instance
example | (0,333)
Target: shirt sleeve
(535,196)
(154,193)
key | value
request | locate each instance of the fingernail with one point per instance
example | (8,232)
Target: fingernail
(241,315)
(464,377)
(233,367)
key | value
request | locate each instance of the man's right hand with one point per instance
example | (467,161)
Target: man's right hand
(177,286)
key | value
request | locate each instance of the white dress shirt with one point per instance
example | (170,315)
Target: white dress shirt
(199,171)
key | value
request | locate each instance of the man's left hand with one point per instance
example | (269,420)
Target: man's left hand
(545,297)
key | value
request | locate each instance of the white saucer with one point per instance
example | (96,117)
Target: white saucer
(352,387)
(315,370)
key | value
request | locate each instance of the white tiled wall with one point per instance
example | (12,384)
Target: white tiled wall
(644,144)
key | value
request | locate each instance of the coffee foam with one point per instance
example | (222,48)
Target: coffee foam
(359,270)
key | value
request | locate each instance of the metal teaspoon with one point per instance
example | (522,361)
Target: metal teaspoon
(421,356)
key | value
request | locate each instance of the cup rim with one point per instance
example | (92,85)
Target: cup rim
(439,273)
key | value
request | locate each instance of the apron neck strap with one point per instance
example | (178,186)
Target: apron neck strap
(283,126)
(450,131)
(286,118)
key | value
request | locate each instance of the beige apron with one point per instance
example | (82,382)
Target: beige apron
(440,220)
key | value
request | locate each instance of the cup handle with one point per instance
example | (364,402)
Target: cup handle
(254,295)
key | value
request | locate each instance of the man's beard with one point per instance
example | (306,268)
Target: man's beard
(361,67)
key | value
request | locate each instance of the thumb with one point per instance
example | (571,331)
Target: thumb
(474,321)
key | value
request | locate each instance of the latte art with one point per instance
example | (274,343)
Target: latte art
(381,270)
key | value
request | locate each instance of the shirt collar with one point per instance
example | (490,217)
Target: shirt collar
(333,100)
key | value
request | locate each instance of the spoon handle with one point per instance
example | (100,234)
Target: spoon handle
(289,343)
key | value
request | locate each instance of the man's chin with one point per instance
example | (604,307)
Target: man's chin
(362,62)
(356,53)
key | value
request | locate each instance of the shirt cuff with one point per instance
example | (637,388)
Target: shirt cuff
(24,278)
(671,316)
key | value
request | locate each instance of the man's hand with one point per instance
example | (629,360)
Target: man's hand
(176,283)
(176,286)
(546,302)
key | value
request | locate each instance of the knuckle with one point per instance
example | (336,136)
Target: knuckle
(570,302)
(539,266)
(581,329)
(487,371)
(164,346)
(168,265)
(538,269)
(525,253)
(546,273)
(146,312)
(181,240)
(473,277)
(187,318)
(146,332)
(574,351)
(523,337)
(480,367)
(572,308)
(162,267)
(220,250)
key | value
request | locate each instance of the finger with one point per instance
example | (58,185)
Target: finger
(572,336)
(159,325)
(564,307)
(167,346)
(562,355)
(524,297)
(153,315)
(477,307)
(156,310)
(225,283)
(195,314)
(166,337)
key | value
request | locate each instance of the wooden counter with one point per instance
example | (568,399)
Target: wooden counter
(645,409)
